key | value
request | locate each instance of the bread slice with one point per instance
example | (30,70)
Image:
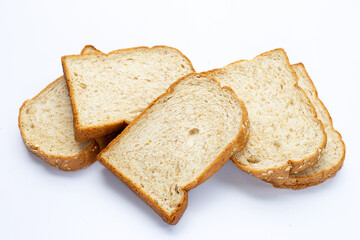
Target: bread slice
(333,155)
(46,126)
(109,90)
(285,135)
(179,141)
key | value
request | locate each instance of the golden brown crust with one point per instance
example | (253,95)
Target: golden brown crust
(85,133)
(237,143)
(70,163)
(300,182)
(282,172)
(304,182)
(90,49)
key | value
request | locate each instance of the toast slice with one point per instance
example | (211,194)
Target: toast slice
(46,125)
(180,140)
(333,155)
(285,135)
(109,90)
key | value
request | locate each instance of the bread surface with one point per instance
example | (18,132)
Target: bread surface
(179,141)
(333,155)
(109,90)
(47,128)
(285,135)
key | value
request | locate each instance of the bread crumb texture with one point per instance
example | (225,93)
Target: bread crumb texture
(333,155)
(117,87)
(283,123)
(177,140)
(47,122)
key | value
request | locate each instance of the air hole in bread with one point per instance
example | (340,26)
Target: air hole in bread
(253,159)
(177,190)
(182,65)
(76,74)
(83,85)
(194,131)
(276,144)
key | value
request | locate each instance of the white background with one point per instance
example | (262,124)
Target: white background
(38,201)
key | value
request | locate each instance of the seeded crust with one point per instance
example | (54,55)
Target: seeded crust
(238,143)
(320,172)
(83,133)
(80,160)
(272,174)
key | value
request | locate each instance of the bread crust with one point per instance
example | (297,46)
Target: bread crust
(69,163)
(300,182)
(238,143)
(313,180)
(284,171)
(90,49)
(83,133)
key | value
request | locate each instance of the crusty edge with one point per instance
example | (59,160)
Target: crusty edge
(83,133)
(93,50)
(69,163)
(300,182)
(237,143)
(291,166)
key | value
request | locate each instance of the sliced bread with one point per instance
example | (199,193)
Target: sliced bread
(179,141)
(285,135)
(333,155)
(46,125)
(109,90)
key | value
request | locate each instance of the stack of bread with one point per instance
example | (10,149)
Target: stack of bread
(162,129)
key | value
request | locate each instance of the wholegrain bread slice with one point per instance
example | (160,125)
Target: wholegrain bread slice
(46,126)
(179,141)
(109,90)
(333,155)
(285,135)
